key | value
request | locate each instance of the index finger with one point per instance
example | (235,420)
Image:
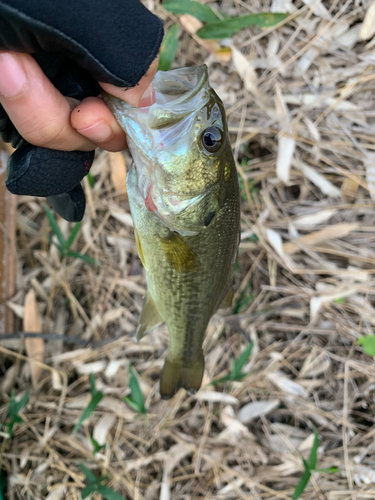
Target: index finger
(142,94)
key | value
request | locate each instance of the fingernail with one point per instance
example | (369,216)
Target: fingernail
(98,132)
(12,75)
(148,97)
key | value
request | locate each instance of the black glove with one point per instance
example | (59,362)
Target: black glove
(77,43)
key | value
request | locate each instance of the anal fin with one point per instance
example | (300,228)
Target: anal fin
(149,318)
(227,302)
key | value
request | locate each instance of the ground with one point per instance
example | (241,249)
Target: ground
(300,102)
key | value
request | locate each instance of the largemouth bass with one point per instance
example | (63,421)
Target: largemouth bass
(184,200)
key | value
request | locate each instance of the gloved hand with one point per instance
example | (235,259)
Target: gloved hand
(76,43)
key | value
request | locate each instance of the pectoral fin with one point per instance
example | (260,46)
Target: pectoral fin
(139,248)
(149,318)
(178,254)
(227,302)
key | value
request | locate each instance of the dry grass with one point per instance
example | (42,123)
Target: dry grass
(301,118)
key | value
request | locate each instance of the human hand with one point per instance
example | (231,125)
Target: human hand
(44,117)
(35,111)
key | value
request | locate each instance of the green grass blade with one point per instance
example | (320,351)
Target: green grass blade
(242,300)
(85,258)
(202,12)
(90,476)
(97,447)
(168,48)
(72,235)
(87,490)
(132,403)
(3,484)
(217,381)
(340,300)
(301,485)
(237,305)
(137,394)
(16,406)
(305,464)
(226,28)
(59,247)
(95,400)
(368,344)
(91,179)
(243,358)
(245,302)
(92,384)
(329,470)
(109,494)
(313,457)
(54,226)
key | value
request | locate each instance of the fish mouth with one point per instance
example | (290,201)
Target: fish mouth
(178,92)
(182,82)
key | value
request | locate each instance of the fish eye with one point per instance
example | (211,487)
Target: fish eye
(211,139)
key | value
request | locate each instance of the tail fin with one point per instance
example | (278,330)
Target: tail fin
(181,373)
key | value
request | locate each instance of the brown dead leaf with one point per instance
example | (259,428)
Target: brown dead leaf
(350,187)
(224,54)
(103,426)
(192,25)
(367,30)
(287,143)
(118,173)
(286,385)
(8,203)
(247,73)
(34,346)
(255,409)
(328,233)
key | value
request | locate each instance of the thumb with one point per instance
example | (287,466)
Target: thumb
(142,94)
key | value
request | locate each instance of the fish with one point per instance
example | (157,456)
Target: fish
(185,204)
